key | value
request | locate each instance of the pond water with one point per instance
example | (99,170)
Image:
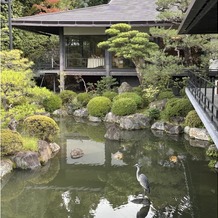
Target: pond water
(102,183)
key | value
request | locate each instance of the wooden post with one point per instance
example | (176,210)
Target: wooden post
(107,62)
(62,55)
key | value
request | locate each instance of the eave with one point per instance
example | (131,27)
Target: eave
(201,18)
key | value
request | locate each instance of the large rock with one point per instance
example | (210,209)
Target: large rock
(160,104)
(111,118)
(83,112)
(159,125)
(135,121)
(55,148)
(124,87)
(60,112)
(26,160)
(44,151)
(95,119)
(199,133)
(173,129)
(6,166)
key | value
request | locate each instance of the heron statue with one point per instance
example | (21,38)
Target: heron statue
(142,179)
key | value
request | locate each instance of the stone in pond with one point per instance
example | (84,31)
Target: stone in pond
(76,153)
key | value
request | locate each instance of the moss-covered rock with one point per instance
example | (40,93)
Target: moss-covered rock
(42,127)
(11,142)
(124,106)
(99,106)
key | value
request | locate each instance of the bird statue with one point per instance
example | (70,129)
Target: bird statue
(142,179)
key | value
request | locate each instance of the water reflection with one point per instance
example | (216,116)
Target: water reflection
(102,183)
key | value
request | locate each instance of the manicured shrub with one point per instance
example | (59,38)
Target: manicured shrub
(42,127)
(165,94)
(138,99)
(124,106)
(177,107)
(52,103)
(99,106)
(109,94)
(67,96)
(192,120)
(11,142)
(84,98)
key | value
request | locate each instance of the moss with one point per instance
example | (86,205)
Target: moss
(124,106)
(192,120)
(42,127)
(131,95)
(30,143)
(11,142)
(99,106)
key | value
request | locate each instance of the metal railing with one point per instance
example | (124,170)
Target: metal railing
(205,93)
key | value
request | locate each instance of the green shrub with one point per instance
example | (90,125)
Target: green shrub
(165,94)
(52,103)
(30,143)
(124,106)
(109,94)
(154,113)
(99,106)
(84,98)
(67,96)
(42,127)
(177,107)
(192,120)
(11,142)
(138,100)
(20,112)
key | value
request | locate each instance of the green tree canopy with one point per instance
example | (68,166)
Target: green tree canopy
(130,44)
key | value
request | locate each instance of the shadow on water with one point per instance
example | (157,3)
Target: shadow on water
(102,183)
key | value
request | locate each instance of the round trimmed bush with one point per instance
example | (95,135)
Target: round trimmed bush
(52,103)
(124,106)
(42,127)
(192,120)
(83,98)
(109,94)
(177,107)
(67,96)
(99,106)
(11,142)
(138,99)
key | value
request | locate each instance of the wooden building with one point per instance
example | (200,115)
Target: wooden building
(80,30)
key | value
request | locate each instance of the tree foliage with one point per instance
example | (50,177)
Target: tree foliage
(130,44)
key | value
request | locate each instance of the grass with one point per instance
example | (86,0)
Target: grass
(30,143)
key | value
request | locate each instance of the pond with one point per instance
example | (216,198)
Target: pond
(102,183)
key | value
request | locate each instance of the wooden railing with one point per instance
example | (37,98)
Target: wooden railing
(205,93)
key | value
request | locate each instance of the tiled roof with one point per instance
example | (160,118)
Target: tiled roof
(138,12)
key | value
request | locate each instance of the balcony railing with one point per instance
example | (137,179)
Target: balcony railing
(205,93)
